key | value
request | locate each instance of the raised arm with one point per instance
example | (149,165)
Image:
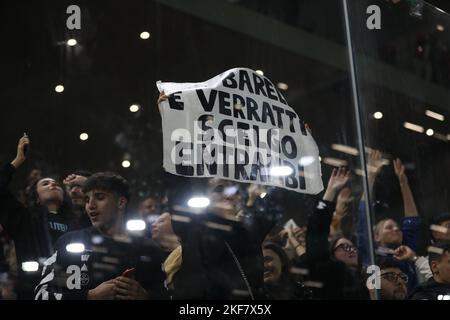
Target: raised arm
(338,179)
(12,211)
(21,156)
(408,199)
(319,221)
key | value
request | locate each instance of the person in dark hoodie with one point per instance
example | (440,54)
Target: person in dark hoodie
(35,227)
(103,262)
(438,287)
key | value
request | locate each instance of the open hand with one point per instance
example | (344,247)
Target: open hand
(399,169)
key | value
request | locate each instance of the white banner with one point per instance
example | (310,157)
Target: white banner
(237,126)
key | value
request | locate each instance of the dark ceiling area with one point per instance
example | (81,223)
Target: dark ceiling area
(111,68)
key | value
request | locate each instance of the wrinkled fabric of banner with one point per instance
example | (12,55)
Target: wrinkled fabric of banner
(237,126)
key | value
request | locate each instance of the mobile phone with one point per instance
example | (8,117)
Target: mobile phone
(25,147)
(129,273)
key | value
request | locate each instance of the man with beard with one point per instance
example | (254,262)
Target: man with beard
(392,280)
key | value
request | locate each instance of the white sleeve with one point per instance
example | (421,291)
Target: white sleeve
(423,270)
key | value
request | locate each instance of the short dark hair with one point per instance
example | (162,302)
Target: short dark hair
(437,220)
(108,181)
(384,262)
(434,255)
(441,217)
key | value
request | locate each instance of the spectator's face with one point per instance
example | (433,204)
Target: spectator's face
(389,233)
(224,197)
(103,208)
(147,207)
(441,269)
(440,236)
(74,189)
(7,290)
(49,190)
(393,284)
(346,252)
(272,266)
(162,228)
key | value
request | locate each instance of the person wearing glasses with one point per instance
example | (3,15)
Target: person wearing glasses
(393,281)
(332,265)
(344,250)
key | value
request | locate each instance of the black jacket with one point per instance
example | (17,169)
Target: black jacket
(430,290)
(69,276)
(209,269)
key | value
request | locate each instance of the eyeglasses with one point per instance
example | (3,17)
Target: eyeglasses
(393,276)
(346,247)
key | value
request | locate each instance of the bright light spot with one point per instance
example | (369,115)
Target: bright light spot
(260,72)
(434,115)
(97,239)
(345,149)
(420,48)
(320,158)
(413,127)
(59,88)
(281,171)
(126,163)
(262,195)
(198,202)
(84,136)
(335,162)
(440,136)
(306,161)
(378,115)
(71,42)
(136,225)
(30,266)
(440,27)
(429,132)
(282,86)
(145,35)
(75,247)
(134,108)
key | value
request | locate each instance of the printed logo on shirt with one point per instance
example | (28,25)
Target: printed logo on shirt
(84,278)
(77,276)
(58,226)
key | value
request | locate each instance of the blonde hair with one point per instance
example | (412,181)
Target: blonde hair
(377,228)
